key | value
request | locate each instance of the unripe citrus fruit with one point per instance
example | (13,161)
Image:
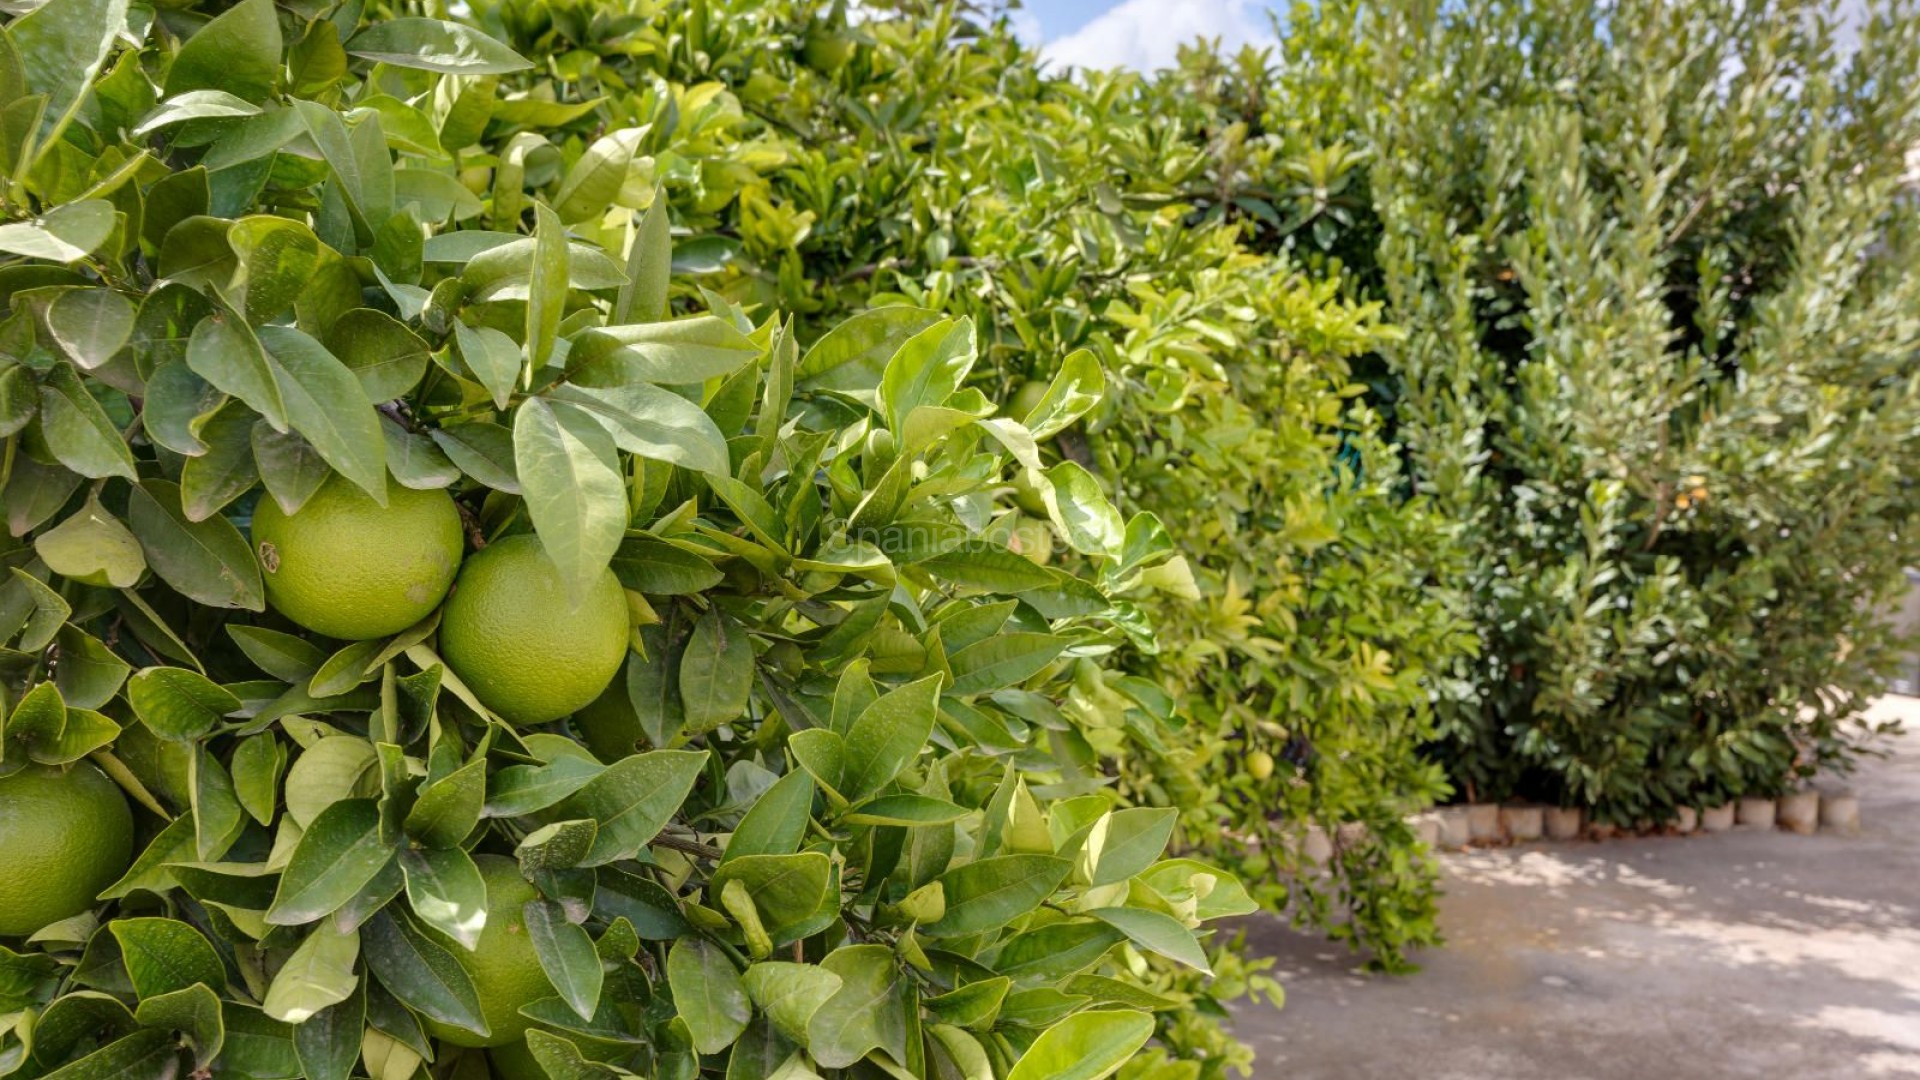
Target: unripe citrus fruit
(1026,492)
(1033,538)
(65,834)
(825,51)
(517,640)
(1259,764)
(505,970)
(345,567)
(1026,398)
(608,724)
(515,1062)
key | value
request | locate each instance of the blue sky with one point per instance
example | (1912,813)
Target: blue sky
(1136,33)
(1146,34)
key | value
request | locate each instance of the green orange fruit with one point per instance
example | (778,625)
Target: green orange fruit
(1026,399)
(1032,538)
(513,1061)
(504,968)
(345,566)
(608,724)
(521,644)
(65,834)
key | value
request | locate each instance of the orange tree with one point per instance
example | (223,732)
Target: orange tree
(926,162)
(508,658)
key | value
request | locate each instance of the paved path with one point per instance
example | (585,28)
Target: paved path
(1746,954)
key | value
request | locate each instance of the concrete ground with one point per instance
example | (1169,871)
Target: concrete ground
(1742,954)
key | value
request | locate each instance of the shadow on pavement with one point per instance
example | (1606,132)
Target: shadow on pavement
(1744,954)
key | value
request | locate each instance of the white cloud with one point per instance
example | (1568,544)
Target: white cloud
(1147,34)
(1026,26)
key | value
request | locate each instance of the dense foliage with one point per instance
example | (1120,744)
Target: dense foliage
(841,812)
(1659,388)
(1654,268)
(923,160)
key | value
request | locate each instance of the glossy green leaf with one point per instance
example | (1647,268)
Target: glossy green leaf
(570,474)
(593,183)
(708,993)
(77,430)
(226,469)
(547,286)
(328,1042)
(151,1054)
(422,974)
(888,735)
(60,46)
(447,892)
(926,370)
(94,548)
(319,975)
(163,955)
(327,406)
(777,822)
(633,799)
(790,993)
(278,260)
(289,467)
(1085,1046)
(1157,932)
(90,325)
(206,561)
(434,45)
(386,356)
(643,299)
(237,52)
(1126,842)
(340,852)
(194,1011)
(448,809)
(786,889)
(652,423)
(493,357)
(65,233)
(675,352)
(990,893)
(226,353)
(483,451)
(567,956)
(716,674)
(868,1012)
(178,704)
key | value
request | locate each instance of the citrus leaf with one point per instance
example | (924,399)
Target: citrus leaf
(208,561)
(708,993)
(326,405)
(990,893)
(337,856)
(633,799)
(77,430)
(1085,1046)
(570,475)
(164,955)
(434,45)
(422,974)
(319,975)
(447,892)
(567,956)
(225,351)
(178,704)
(64,234)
